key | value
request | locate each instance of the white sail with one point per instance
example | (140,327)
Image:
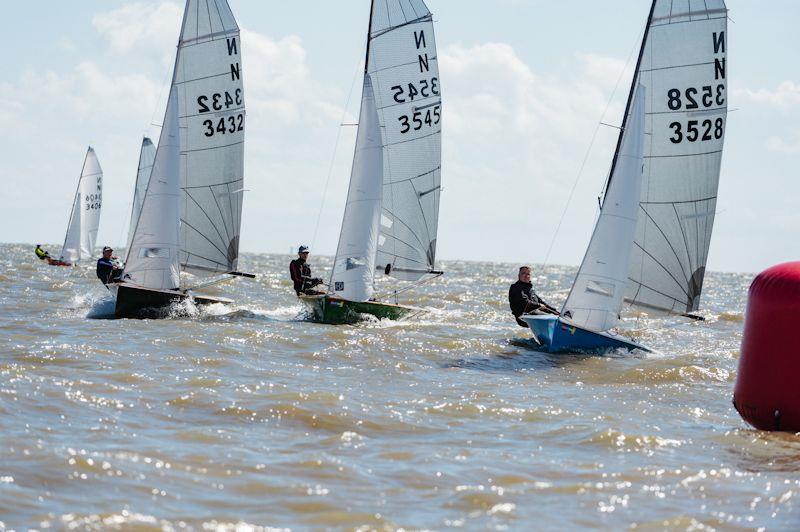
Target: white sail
(683,66)
(354,266)
(403,65)
(84,220)
(146,157)
(152,260)
(212,120)
(599,288)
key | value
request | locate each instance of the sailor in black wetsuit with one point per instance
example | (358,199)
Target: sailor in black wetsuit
(523,300)
(301,274)
(107,270)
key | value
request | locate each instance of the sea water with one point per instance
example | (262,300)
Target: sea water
(245,417)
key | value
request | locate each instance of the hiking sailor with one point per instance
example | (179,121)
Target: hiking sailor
(523,300)
(301,274)
(40,253)
(107,269)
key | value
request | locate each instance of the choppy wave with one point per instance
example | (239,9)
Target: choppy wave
(246,417)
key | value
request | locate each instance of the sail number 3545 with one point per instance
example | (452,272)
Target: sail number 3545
(431,117)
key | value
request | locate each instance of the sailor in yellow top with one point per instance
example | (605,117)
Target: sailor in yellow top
(42,254)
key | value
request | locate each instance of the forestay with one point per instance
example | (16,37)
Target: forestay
(146,157)
(403,65)
(208,80)
(84,220)
(683,66)
(597,293)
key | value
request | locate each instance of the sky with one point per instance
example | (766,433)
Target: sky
(525,84)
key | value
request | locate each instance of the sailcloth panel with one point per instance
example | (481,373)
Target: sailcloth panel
(404,68)
(146,157)
(354,267)
(599,288)
(208,77)
(84,221)
(152,260)
(684,68)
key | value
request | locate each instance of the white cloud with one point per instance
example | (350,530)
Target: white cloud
(788,146)
(140,26)
(514,141)
(785,95)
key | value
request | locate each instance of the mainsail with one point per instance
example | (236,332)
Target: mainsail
(597,293)
(146,157)
(401,84)
(208,78)
(191,215)
(84,220)
(682,64)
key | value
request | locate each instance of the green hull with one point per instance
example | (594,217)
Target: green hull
(335,311)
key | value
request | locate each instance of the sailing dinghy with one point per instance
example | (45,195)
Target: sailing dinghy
(391,216)
(187,232)
(84,219)
(654,254)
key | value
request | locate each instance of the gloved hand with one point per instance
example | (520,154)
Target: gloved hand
(316,281)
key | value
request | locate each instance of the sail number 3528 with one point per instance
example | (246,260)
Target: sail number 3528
(696,130)
(430,118)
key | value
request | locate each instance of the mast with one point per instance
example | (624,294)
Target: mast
(630,98)
(369,35)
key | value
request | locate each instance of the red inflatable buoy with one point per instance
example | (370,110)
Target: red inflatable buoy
(767,391)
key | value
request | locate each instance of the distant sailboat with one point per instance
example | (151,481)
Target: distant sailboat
(654,255)
(84,219)
(187,232)
(391,217)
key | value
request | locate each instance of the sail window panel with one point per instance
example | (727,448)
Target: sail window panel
(678,11)
(208,59)
(683,44)
(388,14)
(681,179)
(397,60)
(210,227)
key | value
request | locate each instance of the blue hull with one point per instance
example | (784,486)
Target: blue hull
(556,336)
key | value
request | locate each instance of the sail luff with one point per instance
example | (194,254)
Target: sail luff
(634,83)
